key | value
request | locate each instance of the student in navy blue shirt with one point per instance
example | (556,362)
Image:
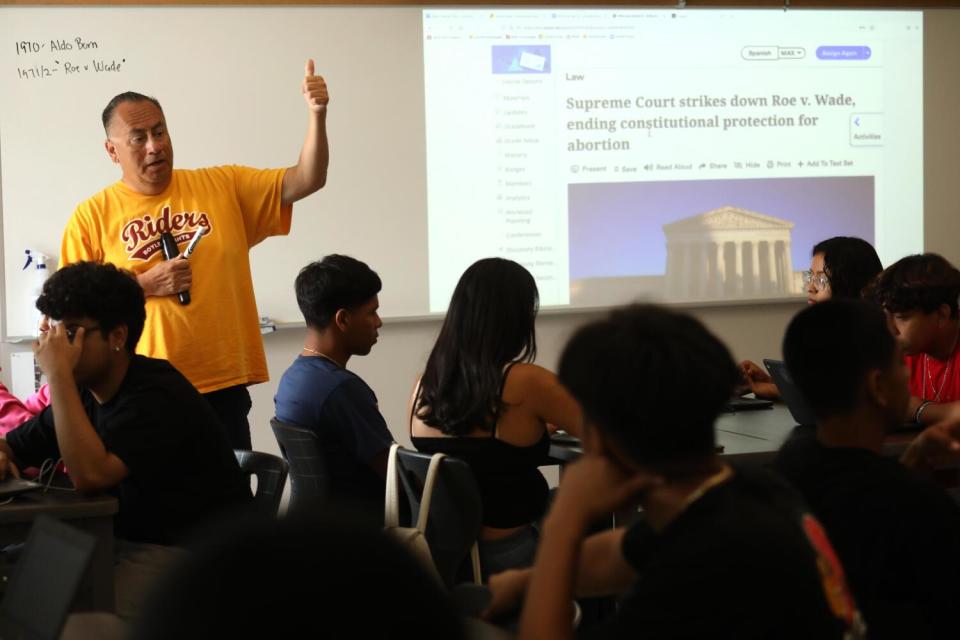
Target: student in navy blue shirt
(338,299)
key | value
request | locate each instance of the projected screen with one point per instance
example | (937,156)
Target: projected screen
(673,155)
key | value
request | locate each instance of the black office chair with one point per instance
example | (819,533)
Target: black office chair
(271,473)
(309,483)
(455,510)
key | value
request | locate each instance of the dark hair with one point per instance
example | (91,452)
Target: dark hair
(830,347)
(334,283)
(282,578)
(490,323)
(923,281)
(101,292)
(117,100)
(850,264)
(652,380)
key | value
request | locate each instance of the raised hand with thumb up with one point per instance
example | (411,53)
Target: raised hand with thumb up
(314,89)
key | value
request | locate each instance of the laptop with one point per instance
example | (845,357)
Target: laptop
(11,486)
(743,403)
(562,437)
(794,400)
(44,581)
(798,406)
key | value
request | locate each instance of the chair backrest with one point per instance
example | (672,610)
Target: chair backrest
(309,483)
(271,473)
(455,511)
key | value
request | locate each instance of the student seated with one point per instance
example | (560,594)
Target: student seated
(919,294)
(720,552)
(898,535)
(840,267)
(338,299)
(123,423)
(481,399)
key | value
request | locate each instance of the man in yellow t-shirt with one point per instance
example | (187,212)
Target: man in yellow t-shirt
(215,339)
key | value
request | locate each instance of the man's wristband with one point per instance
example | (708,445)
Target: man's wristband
(919,413)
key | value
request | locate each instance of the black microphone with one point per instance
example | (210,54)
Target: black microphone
(170,251)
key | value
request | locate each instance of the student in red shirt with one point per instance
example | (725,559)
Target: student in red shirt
(919,295)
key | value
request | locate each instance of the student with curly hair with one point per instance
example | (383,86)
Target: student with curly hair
(124,423)
(919,294)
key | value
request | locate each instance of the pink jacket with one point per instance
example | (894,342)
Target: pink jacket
(13,412)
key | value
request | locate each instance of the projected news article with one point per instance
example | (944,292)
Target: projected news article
(668,155)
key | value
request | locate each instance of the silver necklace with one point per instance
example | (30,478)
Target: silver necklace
(928,377)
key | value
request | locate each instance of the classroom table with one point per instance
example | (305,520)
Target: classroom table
(747,437)
(93,514)
(754,437)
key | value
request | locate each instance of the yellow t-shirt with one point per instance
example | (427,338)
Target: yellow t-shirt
(215,340)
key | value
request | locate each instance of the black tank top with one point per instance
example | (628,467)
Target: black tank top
(512,489)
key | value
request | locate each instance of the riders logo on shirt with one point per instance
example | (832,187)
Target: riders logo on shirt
(141,236)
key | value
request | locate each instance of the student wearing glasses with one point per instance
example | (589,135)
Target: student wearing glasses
(840,267)
(124,424)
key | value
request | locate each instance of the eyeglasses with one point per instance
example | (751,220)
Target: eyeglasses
(71,328)
(820,280)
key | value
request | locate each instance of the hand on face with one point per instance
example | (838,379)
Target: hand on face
(314,90)
(54,351)
(593,487)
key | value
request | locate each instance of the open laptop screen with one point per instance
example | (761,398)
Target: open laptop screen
(45,580)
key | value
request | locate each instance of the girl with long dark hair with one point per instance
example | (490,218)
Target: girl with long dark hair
(481,399)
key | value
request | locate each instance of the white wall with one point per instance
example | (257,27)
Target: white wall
(941,142)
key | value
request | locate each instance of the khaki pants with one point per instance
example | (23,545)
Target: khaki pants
(137,567)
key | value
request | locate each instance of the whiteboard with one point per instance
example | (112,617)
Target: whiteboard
(229,82)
